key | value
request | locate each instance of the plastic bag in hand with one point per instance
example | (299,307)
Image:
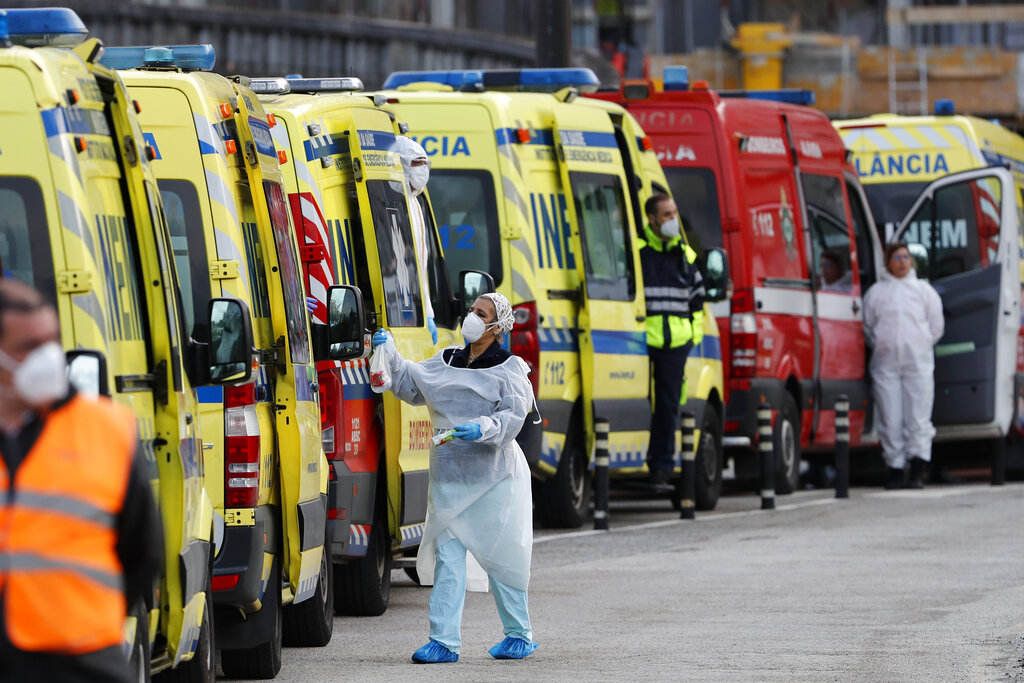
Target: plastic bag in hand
(380,368)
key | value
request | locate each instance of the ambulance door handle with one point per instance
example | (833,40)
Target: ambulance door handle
(856,307)
(641,318)
(188,418)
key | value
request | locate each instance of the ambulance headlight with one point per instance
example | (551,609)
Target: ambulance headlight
(45,27)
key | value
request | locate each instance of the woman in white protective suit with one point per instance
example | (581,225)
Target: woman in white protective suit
(417,172)
(903,322)
(479,509)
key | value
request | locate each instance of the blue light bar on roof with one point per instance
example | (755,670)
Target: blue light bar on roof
(346,84)
(530,80)
(184,57)
(787,95)
(45,27)
(3,29)
(945,108)
(676,78)
(269,86)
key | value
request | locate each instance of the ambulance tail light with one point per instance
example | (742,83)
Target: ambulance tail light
(525,342)
(743,334)
(330,411)
(241,447)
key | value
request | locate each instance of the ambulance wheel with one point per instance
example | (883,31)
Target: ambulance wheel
(709,460)
(362,586)
(564,499)
(786,440)
(311,622)
(138,659)
(261,661)
(202,668)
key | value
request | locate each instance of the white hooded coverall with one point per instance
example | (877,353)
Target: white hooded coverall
(408,151)
(903,322)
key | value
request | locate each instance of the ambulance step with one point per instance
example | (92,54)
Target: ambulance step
(403,563)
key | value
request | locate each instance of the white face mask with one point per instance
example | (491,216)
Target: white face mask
(418,176)
(670,229)
(42,377)
(473,327)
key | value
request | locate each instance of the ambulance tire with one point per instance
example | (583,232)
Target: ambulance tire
(138,660)
(202,668)
(709,461)
(263,661)
(311,622)
(564,500)
(786,440)
(362,586)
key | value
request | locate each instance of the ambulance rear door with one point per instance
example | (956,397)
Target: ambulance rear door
(395,291)
(612,332)
(962,231)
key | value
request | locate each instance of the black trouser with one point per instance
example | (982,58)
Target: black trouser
(668,369)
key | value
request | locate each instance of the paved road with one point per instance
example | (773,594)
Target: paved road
(887,586)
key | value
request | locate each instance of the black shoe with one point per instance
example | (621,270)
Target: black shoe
(895,480)
(916,479)
(661,481)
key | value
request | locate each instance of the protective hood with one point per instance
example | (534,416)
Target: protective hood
(409,150)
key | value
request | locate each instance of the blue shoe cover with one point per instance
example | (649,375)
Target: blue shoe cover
(434,653)
(513,648)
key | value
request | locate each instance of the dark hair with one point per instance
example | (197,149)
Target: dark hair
(651,205)
(892,248)
(835,258)
(18,297)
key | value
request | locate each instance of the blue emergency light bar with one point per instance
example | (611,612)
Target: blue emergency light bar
(4,40)
(676,78)
(526,80)
(278,86)
(184,57)
(43,27)
(786,95)
(944,108)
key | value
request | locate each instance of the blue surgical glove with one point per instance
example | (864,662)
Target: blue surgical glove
(311,303)
(379,337)
(433,329)
(468,432)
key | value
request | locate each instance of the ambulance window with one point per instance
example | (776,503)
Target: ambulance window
(604,231)
(185,224)
(889,202)
(397,254)
(696,196)
(865,258)
(24,235)
(830,236)
(290,276)
(467,221)
(957,228)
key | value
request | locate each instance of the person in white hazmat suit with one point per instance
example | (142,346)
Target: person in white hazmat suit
(479,526)
(903,322)
(417,172)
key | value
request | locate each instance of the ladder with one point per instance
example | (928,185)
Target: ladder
(908,85)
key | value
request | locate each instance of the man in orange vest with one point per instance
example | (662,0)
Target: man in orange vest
(80,537)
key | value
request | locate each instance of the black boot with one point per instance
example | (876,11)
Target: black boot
(895,480)
(916,480)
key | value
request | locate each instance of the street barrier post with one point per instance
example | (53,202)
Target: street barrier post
(600,473)
(688,486)
(766,446)
(842,446)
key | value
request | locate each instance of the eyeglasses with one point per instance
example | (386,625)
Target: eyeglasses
(900,257)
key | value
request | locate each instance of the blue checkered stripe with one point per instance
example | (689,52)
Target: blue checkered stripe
(411,535)
(560,335)
(358,539)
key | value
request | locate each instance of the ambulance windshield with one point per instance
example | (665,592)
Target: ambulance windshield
(889,203)
(467,220)
(696,196)
(24,235)
(397,253)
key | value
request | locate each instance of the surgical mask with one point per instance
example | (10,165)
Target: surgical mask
(670,228)
(418,176)
(42,377)
(473,327)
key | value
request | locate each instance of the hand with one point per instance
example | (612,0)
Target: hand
(468,432)
(433,329)
(379,337)
(311,303)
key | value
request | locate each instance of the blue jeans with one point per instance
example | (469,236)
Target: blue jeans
(448,596)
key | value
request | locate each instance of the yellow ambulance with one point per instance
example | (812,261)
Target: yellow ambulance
(350,209)
(979,362)
(81,220)
(545,191)
(222,186)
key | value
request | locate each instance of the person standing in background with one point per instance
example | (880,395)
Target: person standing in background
(417,172)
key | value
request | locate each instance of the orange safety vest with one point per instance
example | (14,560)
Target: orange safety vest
(61,581)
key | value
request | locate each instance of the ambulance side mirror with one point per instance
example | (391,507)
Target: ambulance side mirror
(472,284)
(716,274)
(344,332)
(87,372)
(231,342)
